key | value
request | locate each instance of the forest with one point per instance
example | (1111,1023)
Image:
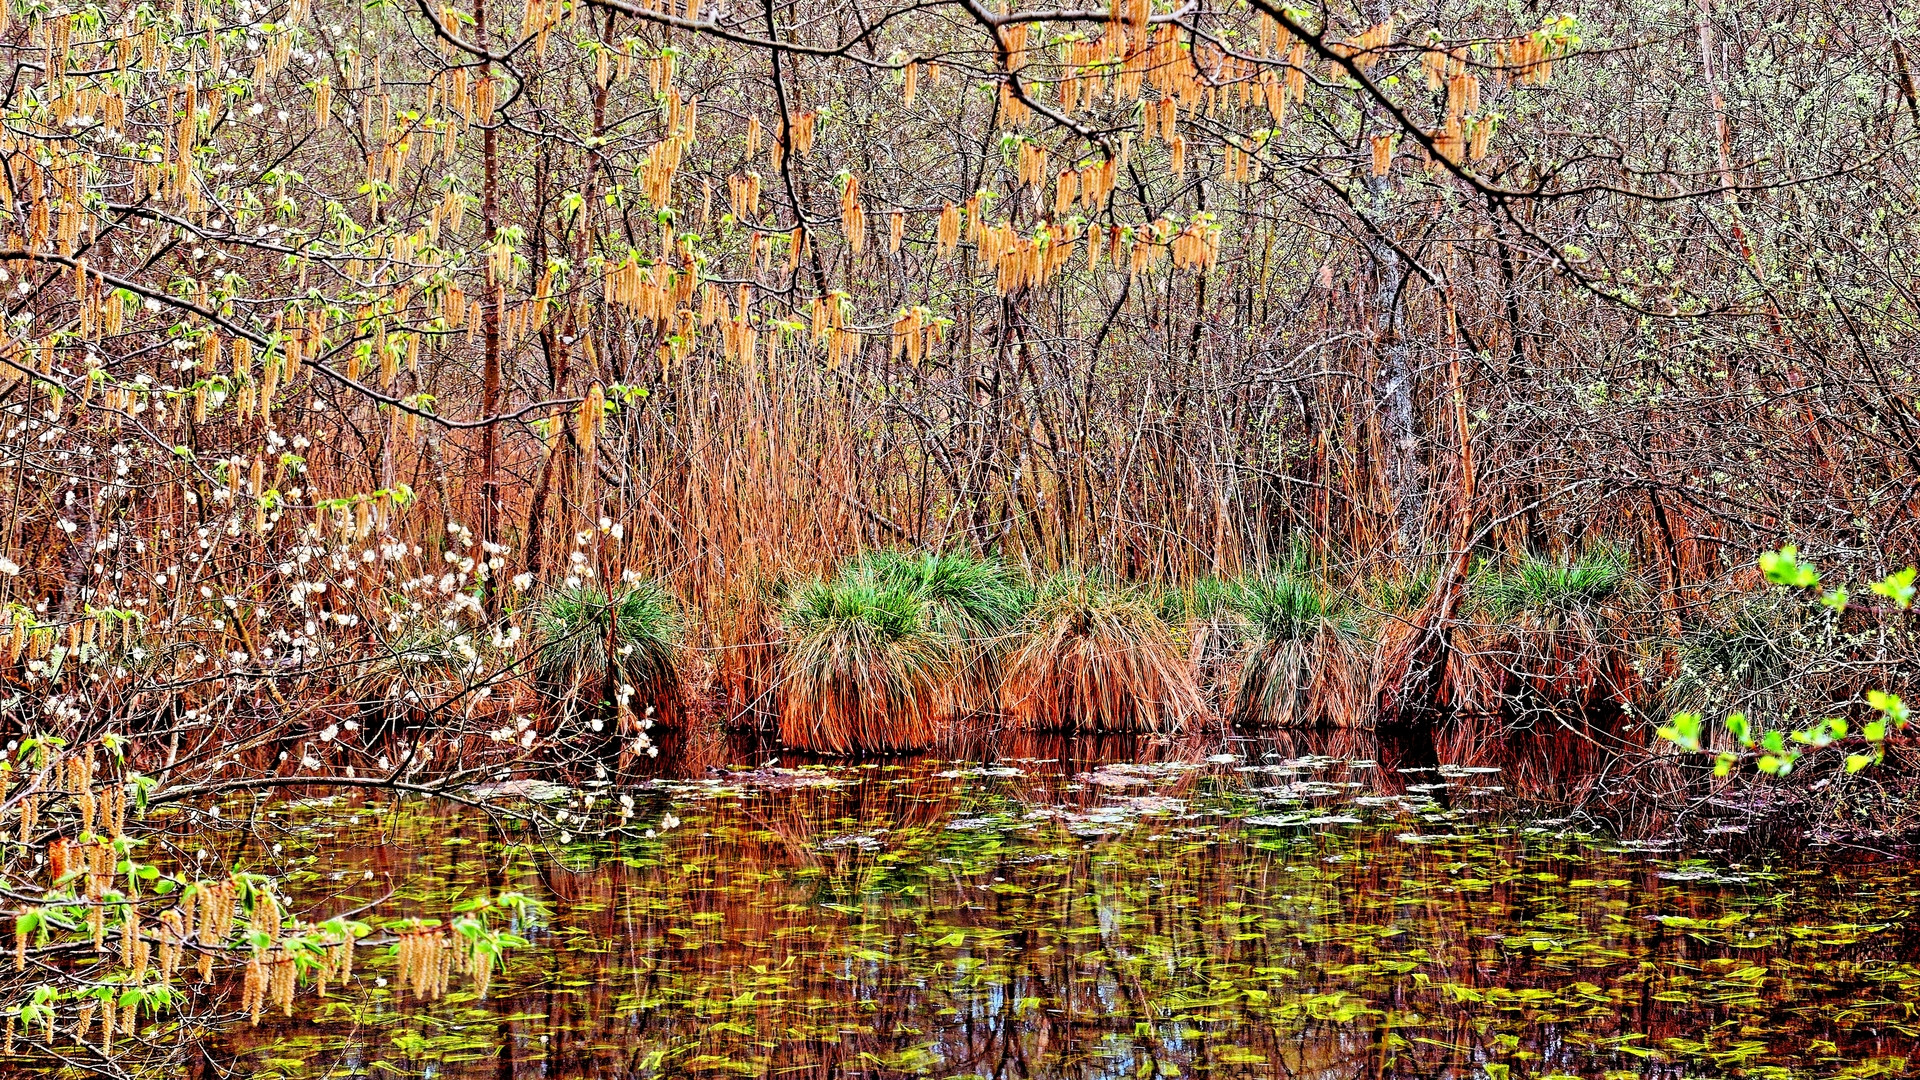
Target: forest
(931,537)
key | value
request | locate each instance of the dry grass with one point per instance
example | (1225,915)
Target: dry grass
(747,668)
(1309,666)
(1098,658)
(862,670)
(1218,636)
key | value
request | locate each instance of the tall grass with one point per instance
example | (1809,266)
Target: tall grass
(748,648)
(613,651)
(1097,657)
(861,669)
(1308,665)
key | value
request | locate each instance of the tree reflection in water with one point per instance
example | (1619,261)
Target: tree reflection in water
(1337,904)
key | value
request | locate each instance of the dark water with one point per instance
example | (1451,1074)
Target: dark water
(1121,911)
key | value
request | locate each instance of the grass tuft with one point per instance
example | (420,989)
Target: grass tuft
(965,598)
(1548,637)
(861,670)
(1307,666)
(974,605)
(591,646)
(1540,584)
(1099,658)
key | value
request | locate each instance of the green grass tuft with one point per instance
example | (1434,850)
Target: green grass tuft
(1307,666)
(862,668)
(1287,607)
(966,598)
(590,643)
(1536,583)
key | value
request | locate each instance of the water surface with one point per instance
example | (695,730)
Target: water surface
(1241,911)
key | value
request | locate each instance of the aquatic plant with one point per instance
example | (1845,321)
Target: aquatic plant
(861,668)
(1308,665)
(1097,657)
(616,651)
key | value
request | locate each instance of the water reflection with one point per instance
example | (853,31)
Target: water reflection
(1332,906)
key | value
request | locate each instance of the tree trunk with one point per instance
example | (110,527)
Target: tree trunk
(490,321)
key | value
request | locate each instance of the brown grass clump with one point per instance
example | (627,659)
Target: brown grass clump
(1308,666)
(1217,635)
(862,671)
(748,666)
(1099,659)
(1547,636)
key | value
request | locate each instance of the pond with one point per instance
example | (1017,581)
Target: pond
(1241,909)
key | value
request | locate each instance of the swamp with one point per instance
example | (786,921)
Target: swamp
(1117,910)
(853,539)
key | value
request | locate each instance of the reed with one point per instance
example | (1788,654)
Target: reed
(1309,666)
(747,668)
(1099,658)
(861,670)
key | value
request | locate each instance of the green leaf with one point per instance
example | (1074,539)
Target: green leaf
(1683,731)
(1738,727)
(1784,567)
(1897,588)
(1891,705)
